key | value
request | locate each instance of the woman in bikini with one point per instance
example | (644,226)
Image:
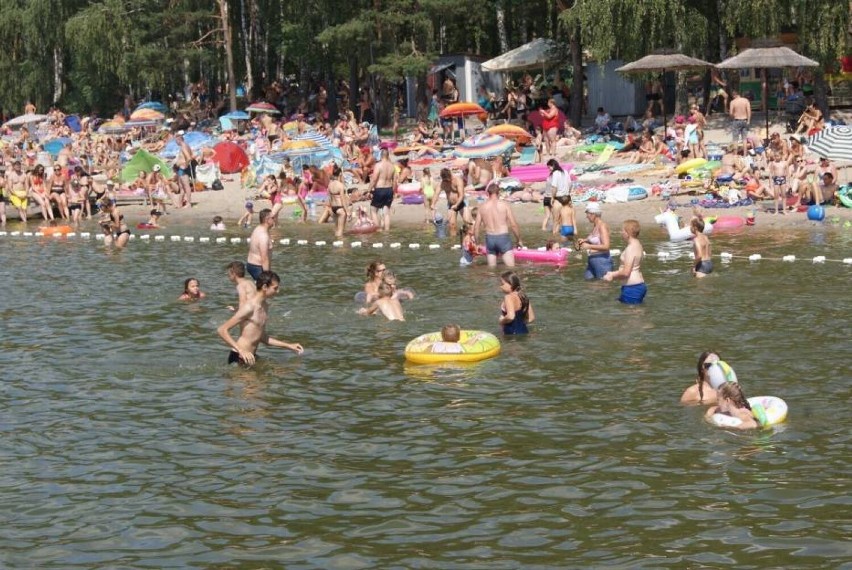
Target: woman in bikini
(58,184)
(36,184)
(338,201)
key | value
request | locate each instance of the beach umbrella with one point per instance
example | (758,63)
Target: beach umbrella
(511,132)
(113,128)
(146,115)
(263,107)
(662,61)
(483,146)
(300,145)
(231,157)
(834,143)
(462,110)
(764,58)
(142,123)
(143,160)
(155,105)
(535,54)
(311,156)
(27,119)
(291,127)
(236,116)
(316,137)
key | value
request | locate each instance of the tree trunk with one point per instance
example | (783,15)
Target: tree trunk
(58,72)
(247,43)
(229,54)
(501,27)
(577,85)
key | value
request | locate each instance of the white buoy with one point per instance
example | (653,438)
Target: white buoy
(355,244)
(221,240)
(414,246)
(616,252)
(132,237)
(819,259)
(434,246)
(319,243)
(337,243)
(189,238)
(456,246)
(847,260)
(30,234)
(378,245)
(145,237)
(789,258)
(285,241)
(755,257)
(663,255)
(726,256)
(99,237)
(236,240)
(159,238)
(57,235)
(302,242)
(71,234)
(86,235)
(395,245)
(175,238)
(15,234)
(203,239)
(3,233)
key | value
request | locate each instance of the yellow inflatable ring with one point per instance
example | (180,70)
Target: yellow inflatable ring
(473,346)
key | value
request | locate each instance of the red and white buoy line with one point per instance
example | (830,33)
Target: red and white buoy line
(726,257)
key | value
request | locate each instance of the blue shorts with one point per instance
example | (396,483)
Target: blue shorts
(498,244)
(633,294)
(254,270)
(382,198)
(566,231)
(598,266)
(705,267)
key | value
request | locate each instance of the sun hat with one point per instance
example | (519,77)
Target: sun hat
(594,208)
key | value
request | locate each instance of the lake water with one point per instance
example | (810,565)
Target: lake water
(127,441)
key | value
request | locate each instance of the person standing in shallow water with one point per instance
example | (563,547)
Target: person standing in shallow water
(260,246)
(634,289)
(252,317)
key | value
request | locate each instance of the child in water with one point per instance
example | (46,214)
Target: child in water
(468,244)
(154,219)
(218,224)
(449,343)
(701,246)
(567,220)
(191,290)
(389,279)
(245,220)
(702,392)
(516,310)
(389,307)
(732,402)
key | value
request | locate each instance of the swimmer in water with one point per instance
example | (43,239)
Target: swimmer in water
(389,279)
(389,307)
(702,392)
(516,311)
(192,290)
(732,402)
(634,289)
(701,245)
(375,277)
(252,317)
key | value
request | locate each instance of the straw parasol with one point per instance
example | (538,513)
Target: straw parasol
(763,58)
(662,61)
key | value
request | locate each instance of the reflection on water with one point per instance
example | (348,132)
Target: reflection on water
(127,441)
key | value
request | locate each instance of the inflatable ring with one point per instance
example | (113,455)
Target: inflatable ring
(769,409)
(722,223)
(473,346)
(55,230)
(146,226)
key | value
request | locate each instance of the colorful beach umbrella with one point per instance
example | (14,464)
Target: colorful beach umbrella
(316,137)
(263,107)
(236,116)
(291,127)
(146,115)
(142,123)
(113,128)
(462,110)
(483,146)
(511,132)
(300,145)
(155,105)
(834,143)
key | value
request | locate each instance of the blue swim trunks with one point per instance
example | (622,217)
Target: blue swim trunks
(498,244)
(633,294)
(598,266)
(254,270)
(566,231)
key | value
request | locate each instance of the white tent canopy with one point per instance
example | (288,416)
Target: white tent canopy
(536,53)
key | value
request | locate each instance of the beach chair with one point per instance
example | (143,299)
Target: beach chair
(527,156)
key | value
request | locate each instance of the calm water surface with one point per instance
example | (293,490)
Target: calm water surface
(127,442)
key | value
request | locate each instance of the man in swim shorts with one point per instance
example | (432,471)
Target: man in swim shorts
(260,245)
(701,247)
(498,219)
(251,317)
(740,111)
(16,186)
(383,183)
(778,170)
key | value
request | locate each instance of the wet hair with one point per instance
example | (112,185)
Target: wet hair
(264,215)
(187,282)
(267,278)
(514,282)
(238,268)
(631,227)
(373,267)
(451,333)
(465,227)
(697,224)
(385,291)
(155,212)
(554,164)
(217,219)
(702,372)
(733,392)
(387,275)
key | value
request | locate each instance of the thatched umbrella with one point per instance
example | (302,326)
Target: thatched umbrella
(764,58)
(663,61)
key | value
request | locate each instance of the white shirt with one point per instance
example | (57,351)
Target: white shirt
(559,183)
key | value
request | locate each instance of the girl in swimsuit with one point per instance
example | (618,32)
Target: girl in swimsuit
(428,192)
(57,184)
(192,290)
(39,193)
(516,310)
(76,196)
(375,276)
(118,234)
(732,402)
(338,201)
(701,392)
(304,188)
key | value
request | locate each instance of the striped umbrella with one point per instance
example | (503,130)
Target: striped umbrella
(146,115)
(311,156)
(316,137)
(236,116)
(834,143)
(263,107)
(300,145)
(112,128)
(291,127)
(142,123)
(462,110)
(483,146)
(512,132)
